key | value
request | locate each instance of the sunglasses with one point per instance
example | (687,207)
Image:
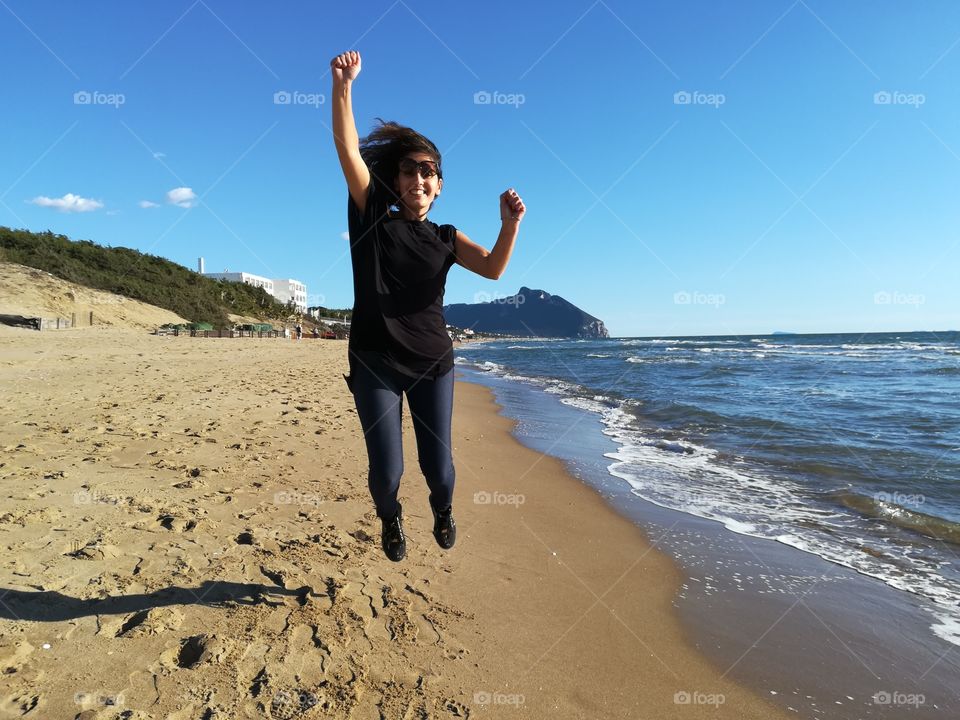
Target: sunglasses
(426,168)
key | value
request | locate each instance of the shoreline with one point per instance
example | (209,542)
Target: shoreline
(188,533)
(623,624)
(761,610)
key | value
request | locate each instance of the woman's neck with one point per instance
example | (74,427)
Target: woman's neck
(406,214)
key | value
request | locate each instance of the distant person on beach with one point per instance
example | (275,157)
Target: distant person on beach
(299,331)
(398,338)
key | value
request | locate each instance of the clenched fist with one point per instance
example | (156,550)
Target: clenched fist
(511,206)
(345,66)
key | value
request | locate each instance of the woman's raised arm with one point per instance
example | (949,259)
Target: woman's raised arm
(491,264)
(345,68)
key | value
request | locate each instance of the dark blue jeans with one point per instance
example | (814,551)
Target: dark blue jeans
(378,393)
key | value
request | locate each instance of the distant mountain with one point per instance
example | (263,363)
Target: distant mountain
(529,313)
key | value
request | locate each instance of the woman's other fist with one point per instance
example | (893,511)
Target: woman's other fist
(511,206)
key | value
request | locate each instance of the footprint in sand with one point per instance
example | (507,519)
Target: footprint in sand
(178,519)
(400,623)
(400,700)
(175,523)
(349,612)
(15,661)
(196,650)
(154,621)
(432,618)
(21,677)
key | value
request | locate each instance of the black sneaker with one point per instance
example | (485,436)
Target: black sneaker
(392,539)
(444,528)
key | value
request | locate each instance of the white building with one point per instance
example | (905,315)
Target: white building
(285,290)
(248,278)
(291,291)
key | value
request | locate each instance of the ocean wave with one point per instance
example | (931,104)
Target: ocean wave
(946,627)
(949,370)
(660,360)
(677,341)
(554,386)
(786,352)
(488,366)
(902,517)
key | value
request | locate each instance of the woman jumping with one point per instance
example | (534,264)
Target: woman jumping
(398,336)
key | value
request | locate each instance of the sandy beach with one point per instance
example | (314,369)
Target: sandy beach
(187,533)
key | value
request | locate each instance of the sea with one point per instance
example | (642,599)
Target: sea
(842,447)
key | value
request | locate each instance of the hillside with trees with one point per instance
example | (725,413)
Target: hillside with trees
(148,278)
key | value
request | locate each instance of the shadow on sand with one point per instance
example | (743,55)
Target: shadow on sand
(52,606)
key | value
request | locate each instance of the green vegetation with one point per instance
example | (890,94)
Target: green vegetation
(143,277)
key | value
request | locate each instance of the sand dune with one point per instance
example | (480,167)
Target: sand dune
(31,292)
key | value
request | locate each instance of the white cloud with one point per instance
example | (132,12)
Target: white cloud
(147,204)
(68,203)
(159,155)
(345,235)
(182,197)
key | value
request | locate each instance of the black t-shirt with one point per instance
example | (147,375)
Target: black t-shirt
(399,274)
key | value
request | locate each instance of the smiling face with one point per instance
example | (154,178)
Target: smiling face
(415,191)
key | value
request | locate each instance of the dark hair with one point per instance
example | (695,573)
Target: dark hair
(383,149)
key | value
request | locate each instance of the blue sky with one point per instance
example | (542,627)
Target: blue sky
(785,195)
